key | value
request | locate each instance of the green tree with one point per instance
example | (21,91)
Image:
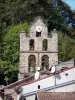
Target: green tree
(10,61)
(69,17)
(66,47)
(9,71)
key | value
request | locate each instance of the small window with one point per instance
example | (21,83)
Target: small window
(38,86)
(38,34)
(66,74)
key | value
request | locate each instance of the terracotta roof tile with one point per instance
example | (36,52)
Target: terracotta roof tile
(56,95)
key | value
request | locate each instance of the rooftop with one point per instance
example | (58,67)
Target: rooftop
(56,95)
(31,79)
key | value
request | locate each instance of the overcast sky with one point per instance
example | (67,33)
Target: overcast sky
(71,3)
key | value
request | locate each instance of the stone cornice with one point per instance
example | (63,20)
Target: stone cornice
(38,51)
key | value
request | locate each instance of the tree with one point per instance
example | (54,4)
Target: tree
(66,47)
(69,17)
(9,63)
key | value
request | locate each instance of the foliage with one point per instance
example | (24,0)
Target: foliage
(66,47)
(11,42)
(69,17)
(58,13)
(10,61)
(8,71)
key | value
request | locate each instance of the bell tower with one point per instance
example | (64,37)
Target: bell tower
(39,49)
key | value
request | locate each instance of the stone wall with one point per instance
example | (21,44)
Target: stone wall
(52,50)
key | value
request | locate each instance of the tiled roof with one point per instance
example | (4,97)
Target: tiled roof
(45,72)
(56,95)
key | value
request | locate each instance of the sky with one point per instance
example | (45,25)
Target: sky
(71,3)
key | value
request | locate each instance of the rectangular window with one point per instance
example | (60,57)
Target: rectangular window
(38,86)
(38,34)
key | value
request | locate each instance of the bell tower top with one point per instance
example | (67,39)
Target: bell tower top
(38,28)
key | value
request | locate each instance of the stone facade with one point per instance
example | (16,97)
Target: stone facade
(38,33)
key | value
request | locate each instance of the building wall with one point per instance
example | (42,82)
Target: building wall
(32,97)
(38,22)
(58,83)
(11,92)
(68,88)
(1,96)
(52,50)
(49,82)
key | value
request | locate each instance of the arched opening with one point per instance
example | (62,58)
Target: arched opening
(31,45)
(45,45)
(31,63)
(45,62)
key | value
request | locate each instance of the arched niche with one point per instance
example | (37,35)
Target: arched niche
(45,45)
(31,63)
(31,45)
(45,62)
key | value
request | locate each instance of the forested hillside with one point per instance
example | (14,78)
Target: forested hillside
(16,15)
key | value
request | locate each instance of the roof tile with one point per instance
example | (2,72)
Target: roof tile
(56,95)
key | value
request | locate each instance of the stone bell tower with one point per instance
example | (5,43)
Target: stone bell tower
(40,49)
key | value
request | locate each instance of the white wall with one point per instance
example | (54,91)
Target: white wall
(51,81)
(62,78)
(32,97)
(68,88)
(34,86)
